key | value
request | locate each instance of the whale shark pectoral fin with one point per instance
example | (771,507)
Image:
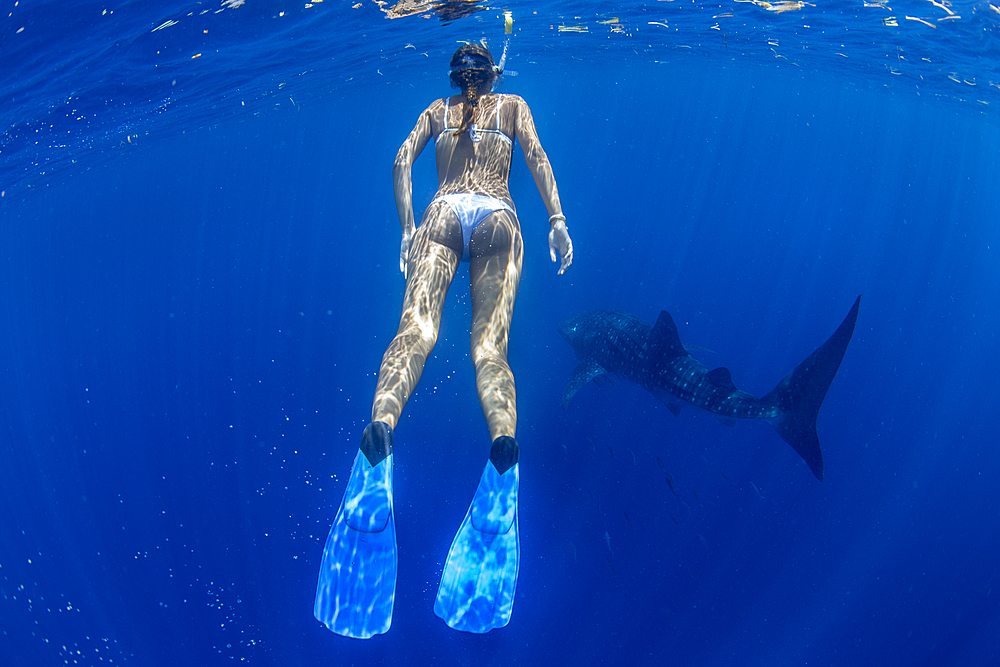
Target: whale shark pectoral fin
(604,381)
(668,400)
(586,370)
(721,377)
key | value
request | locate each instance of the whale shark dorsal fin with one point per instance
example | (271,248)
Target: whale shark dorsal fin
(665,342)
(721,377)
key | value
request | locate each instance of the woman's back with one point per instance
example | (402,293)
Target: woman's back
(476,160)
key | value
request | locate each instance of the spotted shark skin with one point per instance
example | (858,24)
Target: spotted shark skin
(611,341)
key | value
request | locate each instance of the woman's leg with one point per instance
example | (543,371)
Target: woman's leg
(480,574)
(495,271)
(432,264)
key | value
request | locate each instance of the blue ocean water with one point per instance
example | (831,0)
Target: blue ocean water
(199,279)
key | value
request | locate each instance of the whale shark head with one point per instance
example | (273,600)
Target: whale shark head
(571,329)
(581,332)
(568,329)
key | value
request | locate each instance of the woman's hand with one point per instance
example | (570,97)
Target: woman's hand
(404,249)
(561,243)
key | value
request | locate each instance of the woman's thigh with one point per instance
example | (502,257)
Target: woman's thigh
(495,271)
(440,225)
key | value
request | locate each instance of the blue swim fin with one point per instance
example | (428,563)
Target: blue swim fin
(357,577)
(479,578)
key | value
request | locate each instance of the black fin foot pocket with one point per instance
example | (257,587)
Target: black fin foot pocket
(504,453)
(376,442)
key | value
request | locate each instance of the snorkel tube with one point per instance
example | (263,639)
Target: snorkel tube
(508,30)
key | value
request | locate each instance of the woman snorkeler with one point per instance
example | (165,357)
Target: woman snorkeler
(471,218)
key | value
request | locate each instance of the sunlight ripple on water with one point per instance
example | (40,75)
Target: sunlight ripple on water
(89,81)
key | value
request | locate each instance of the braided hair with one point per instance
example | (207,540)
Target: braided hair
(472,67)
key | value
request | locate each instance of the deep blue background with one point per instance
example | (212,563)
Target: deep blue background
(191,334)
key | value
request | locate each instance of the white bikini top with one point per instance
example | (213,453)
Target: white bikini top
(475,133)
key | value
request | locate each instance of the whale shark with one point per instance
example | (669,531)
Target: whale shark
(653,357)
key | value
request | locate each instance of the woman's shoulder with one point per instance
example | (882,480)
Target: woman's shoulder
(513,104)
(436,104)
(516,99)
(434,109)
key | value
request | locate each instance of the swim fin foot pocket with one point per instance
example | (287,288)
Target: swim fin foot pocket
(357,576)
(480,575)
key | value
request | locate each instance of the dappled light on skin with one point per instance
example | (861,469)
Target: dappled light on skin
(494,285)
(479,159)
(475,161)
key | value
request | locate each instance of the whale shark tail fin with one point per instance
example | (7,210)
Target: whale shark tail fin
(800,394)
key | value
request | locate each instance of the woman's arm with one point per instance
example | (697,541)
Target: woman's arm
(559,240)
(402,180)
(535,156)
